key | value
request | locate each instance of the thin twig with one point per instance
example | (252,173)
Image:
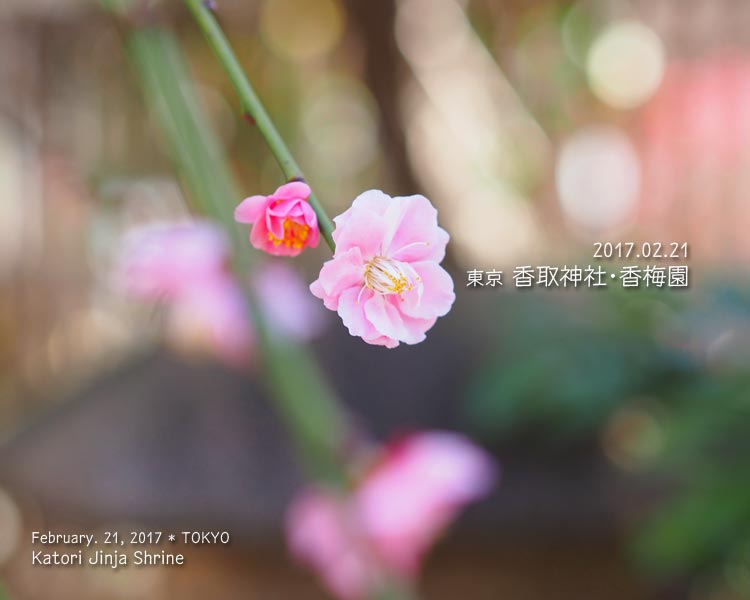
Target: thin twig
(252,108)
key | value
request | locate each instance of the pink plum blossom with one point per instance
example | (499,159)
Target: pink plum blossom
(213,315)
(164,260)
(417,490)
(185,266)
(385,279)
(323,533)
(387,523)
(284,223)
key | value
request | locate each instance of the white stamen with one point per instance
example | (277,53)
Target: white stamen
(388,276)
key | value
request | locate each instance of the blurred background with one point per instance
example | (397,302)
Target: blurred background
(619,417)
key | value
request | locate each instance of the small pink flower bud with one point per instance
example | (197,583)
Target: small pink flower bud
(284,223)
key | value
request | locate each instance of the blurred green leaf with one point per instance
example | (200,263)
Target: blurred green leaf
(698,527)
(568,367)
(564,365)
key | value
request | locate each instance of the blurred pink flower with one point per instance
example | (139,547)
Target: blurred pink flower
(213,315)
(286,302)
(163,261)
(323,533)
(387,524)
(284,223)
(415,492)
(186,266)
(385,278)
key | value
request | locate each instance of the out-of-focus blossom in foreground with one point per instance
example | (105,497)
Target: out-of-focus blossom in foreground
(286,302)
(213,316)
(185,265)
(323,533)
(416,490)
(284,223)
(165,260)
(385,278)
(387,523)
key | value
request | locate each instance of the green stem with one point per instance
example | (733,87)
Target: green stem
(253,107)
(394,591)
(317,422)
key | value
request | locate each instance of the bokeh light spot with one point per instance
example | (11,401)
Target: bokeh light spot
(625,64)
(339,126)
(632,437)
(301,30)
(598,178)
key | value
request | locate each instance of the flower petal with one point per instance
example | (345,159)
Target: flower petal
(372,200)
(308,215)
(259,235)
(387,318)
(364,230)
(294,190)
(352,313)
(162,260)
(417,490)
(275,225)
(338,274)
(437,292)
(414,233)
(250,209)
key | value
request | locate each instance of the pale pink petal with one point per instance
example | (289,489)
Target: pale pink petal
(415,235)
(364,230)
(317,290)
(345,270)
(437,293)
(387,319)
(373,200)
(352,313)
(382,340)
(250,209)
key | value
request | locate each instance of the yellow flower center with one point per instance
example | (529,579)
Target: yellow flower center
(295,235)
(388,276)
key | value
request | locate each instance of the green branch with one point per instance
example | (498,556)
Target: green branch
(320,426)
(252,107)
(318,423)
